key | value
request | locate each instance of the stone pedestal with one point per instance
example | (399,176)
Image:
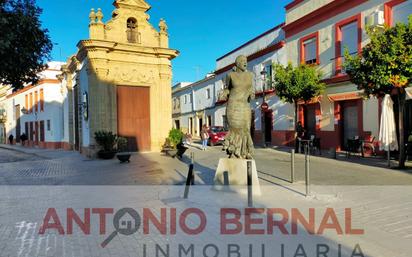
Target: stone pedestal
(231,174)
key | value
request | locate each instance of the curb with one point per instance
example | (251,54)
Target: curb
(21,151)
(12,149)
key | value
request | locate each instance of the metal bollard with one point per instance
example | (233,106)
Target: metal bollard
(292,166)
(307,174)
(333,150)
(249,185)
(389,158)
(192,162)
(189,181)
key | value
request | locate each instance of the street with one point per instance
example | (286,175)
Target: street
(35,180)
(48,167)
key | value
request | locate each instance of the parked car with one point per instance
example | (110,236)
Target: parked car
(217,135)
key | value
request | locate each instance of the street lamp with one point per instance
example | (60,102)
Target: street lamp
(264,107)
(24,111)
(264,74)
(85,105)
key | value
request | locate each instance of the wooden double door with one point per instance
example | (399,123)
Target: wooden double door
(133,117)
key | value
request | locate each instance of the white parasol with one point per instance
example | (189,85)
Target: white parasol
(387,133)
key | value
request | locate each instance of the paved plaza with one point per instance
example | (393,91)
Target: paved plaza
(28,166)
(35,180)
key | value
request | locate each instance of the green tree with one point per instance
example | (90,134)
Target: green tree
(385,67)
(24,45)
(295,84)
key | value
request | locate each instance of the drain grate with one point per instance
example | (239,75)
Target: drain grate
(46,169)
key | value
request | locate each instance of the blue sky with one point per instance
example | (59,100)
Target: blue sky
(201,30)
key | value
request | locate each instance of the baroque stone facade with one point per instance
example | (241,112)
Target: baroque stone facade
(127,52)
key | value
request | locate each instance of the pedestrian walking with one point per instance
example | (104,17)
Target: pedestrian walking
(205,137)
(11,138)
(23,139)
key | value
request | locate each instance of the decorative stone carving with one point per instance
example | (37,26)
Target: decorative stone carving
(99,16)
(92,16)
(132,75)
(163,26)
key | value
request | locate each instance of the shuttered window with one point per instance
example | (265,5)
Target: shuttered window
(310,51)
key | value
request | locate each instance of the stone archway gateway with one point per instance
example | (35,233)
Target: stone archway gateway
(123,74)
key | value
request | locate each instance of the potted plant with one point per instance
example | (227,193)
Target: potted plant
(173,146)
(122,154)
(107,141)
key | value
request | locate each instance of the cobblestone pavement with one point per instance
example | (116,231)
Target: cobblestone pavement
(380,200)
(37,167)
(382,215)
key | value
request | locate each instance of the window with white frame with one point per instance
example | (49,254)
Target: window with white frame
(185,99)
(208,93)
(190,98)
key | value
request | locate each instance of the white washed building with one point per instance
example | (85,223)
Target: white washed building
(203,106)
(3,113)
(317,33)
(274,126)
(196,102)
(37,111)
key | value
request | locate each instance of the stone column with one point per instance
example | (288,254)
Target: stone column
(102,103)
(162,117)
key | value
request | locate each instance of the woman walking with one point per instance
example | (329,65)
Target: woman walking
(205,136)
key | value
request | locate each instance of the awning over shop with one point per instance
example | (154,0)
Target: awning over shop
(345,96)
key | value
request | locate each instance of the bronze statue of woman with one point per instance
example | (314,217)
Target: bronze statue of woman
(239,87)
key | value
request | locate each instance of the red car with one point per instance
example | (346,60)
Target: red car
(217,135)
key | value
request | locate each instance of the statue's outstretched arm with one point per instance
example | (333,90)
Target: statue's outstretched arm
(227,87)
